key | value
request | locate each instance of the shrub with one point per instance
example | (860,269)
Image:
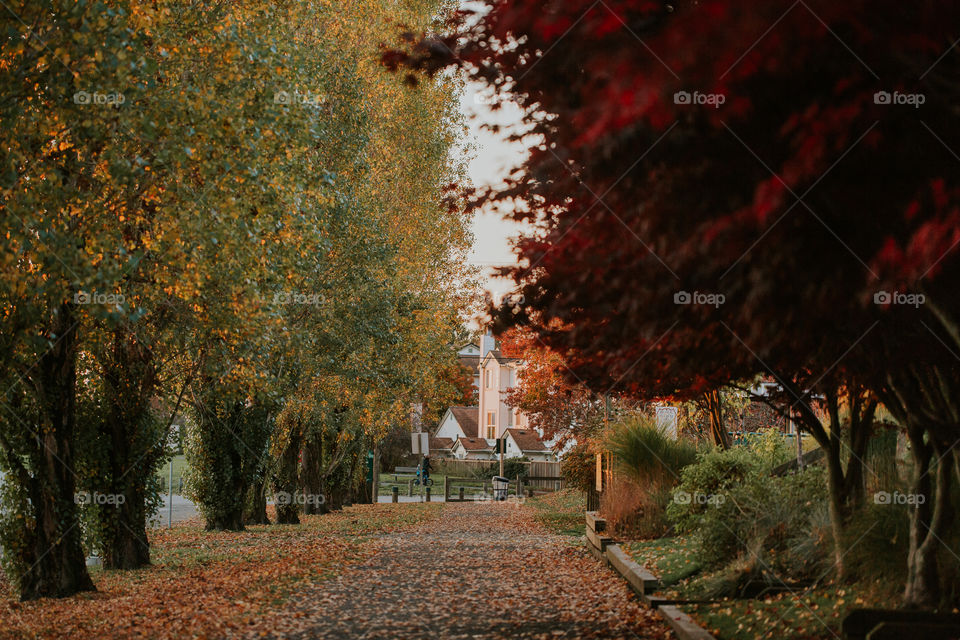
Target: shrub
(578,467)
(648,454)
(650,462)
(513,467)
(770,447)
(728,500)
(633,511)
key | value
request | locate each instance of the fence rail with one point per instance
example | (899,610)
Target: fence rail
(454,467)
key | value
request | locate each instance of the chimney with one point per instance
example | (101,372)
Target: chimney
(487,344)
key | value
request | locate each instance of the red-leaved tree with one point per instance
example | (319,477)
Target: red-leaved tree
(724,189)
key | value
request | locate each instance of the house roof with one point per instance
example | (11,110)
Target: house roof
(466,417)
(441,443)
(475,444)
(502,359)
(469,362)
(527,439)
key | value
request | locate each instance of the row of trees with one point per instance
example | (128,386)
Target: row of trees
(220,215)
(723,191)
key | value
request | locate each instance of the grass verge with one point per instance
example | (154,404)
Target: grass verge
(561,512)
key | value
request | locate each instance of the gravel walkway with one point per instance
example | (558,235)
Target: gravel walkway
(482,570)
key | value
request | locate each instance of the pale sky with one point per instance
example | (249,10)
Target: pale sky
(492,159)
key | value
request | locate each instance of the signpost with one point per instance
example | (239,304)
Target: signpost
(420,443)
(170,498)
(501,445)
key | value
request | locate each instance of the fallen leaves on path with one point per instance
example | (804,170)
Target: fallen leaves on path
(479,571)
(210,584)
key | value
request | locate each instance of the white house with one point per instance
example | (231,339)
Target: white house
(473,449)
(527,443)
(458,422)
(475,430)
(469,357)
(498,374)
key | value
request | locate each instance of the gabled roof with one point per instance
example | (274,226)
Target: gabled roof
(441,443)
(502,359)
(466,417)
(475,444)
(469,362)
(527,439)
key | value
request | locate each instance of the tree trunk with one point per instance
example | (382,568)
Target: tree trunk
(135,450)
(53,554)
(720,436)
(838,507)
(58,566)
(125,543)
(927,520)
(256,503)
(310,476)
(286,478)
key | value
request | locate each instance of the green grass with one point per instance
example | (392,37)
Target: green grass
(179,471)
(670,559)
(802,615)
(561,512)
(815,614)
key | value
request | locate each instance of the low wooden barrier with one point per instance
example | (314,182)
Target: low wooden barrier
(644,583)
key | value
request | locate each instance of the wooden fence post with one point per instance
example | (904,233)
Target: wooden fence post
(446,488)
(461,494)
(396,494)
(410,487)
(428,494)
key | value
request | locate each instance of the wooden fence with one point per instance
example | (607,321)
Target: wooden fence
(466,468)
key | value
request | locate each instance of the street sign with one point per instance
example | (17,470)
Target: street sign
(420,443)
(667,420)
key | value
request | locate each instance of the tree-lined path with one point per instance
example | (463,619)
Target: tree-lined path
(477,571)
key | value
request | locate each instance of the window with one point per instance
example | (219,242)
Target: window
(509,417)
(491,424)
(486,378)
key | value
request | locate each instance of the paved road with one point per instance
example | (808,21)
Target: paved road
(183,509)
(481,570)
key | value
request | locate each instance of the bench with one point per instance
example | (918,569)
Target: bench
(397,471)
